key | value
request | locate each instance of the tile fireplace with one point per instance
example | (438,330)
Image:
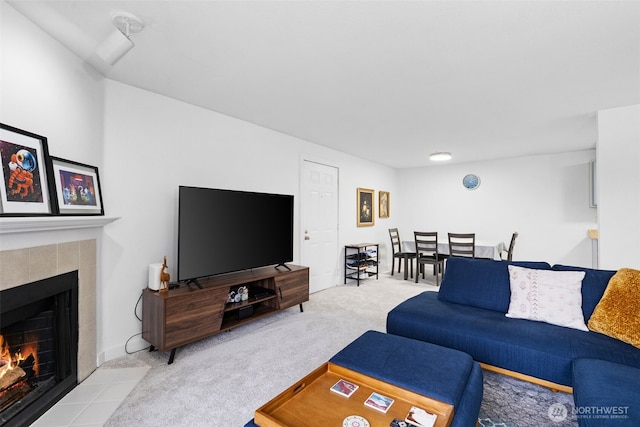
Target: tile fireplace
(22,264)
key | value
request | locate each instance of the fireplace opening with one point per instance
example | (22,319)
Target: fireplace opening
(38,347)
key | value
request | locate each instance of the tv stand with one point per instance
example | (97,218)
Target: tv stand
(282,264)
(186,314)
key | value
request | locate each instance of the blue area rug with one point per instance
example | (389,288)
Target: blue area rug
(487,422)
(508,402)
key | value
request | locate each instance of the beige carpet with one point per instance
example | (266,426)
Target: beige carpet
(220,381)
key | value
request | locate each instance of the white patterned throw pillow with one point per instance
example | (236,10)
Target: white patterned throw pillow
(547,296)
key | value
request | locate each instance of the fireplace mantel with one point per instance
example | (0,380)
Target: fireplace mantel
(10,225)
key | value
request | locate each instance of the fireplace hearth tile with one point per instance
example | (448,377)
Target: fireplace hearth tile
(87,307)
(97,412)
(68,257)
(94,400)
(13,268)
(84,393)
(87,355)
(117,375)
(43,262)
(87,284)
(116,391)
(88,253)
(60,415)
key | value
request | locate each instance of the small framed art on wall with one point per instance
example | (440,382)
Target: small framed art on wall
(366,207)
(383,201)
(77,188)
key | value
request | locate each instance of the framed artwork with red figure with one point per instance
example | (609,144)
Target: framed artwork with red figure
(24,179)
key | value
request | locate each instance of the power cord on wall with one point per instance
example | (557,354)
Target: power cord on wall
(135,313)
(135,309)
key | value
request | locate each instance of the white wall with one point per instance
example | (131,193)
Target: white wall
(544,198)
(47,90)
(618,191)
(360,175)
(152,145)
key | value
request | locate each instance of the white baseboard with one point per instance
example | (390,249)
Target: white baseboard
(134,344)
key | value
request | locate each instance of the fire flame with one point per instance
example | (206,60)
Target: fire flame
(5,357)
(9,361)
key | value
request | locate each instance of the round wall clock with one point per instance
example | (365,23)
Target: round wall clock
(471,181)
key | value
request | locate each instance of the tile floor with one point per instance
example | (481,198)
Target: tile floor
(93,401)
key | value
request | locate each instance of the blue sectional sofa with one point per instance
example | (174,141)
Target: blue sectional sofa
(468,314)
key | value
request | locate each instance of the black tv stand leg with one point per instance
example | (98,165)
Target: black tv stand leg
(194,281)
(282,264)
(172,356)
(301,309)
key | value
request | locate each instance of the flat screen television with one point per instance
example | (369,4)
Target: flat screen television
(221,231)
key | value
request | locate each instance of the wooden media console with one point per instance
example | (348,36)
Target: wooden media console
(187,313)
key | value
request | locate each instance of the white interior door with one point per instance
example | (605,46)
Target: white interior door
(320,224)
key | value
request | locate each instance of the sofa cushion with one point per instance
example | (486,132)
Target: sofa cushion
(605,394)
(617,314)
(482,283)
(593,286)
(547,296)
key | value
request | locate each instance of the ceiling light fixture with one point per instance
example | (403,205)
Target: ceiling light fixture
(119,41)
(440,157)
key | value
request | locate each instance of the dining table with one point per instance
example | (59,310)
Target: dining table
(484,248)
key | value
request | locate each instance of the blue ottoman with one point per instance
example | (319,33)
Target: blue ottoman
(448,375)
(606,393)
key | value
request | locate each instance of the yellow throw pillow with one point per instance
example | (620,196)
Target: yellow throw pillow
(618,313)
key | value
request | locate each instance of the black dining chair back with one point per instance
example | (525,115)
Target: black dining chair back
(462,244)
(427,253)
(396,247)
(512,244)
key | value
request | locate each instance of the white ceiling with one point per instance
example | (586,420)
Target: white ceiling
(390,81)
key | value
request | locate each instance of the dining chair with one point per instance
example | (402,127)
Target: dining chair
(514,236)
(427,253)
(396,247)
(462,244)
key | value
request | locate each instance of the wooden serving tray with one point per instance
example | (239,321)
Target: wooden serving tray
(310,402)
